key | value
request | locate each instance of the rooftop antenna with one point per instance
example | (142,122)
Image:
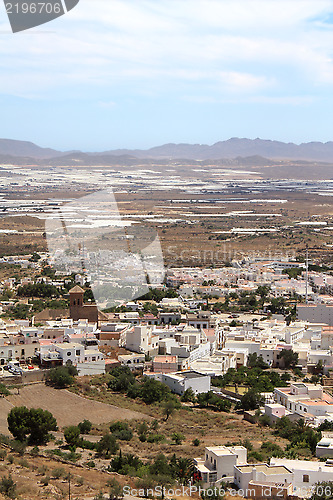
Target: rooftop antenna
(306,274)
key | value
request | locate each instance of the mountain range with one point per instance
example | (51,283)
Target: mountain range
(229,149)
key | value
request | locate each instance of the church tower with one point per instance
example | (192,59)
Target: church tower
(75,302)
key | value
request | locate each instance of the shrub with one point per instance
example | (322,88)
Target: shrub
(255,455)
(91,464)
(142,428)
(24,463)
(155,438)
(87,445)
(45,480)
(264,421)
(116,491)
(42,470)
(122,379)
(272,449)
(121,430)
(10,459)
(70,456)
(4,391)
(322,491)
(196,442)
(58,472)
(177,437)
(118,426)
(124,435)
(247,444)
(155,425)
(99,496)
(8,487)
(18,447)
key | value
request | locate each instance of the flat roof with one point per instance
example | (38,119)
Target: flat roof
(224,450)
(190,374)
(265,468)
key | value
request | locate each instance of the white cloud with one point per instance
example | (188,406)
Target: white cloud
(222,46)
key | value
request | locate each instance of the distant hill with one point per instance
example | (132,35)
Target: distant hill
(11,147)
(231,149)
(235,147)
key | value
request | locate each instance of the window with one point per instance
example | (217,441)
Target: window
(69,353)
(305,478)
(78,353)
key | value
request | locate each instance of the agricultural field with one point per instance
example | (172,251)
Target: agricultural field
(204,229)
(66,407)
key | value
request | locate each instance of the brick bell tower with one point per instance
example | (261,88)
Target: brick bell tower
(76,302)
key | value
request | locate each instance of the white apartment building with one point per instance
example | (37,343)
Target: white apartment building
(245,475)
(305,473)
(216,365)
(179,382)
(218,463)
(307,400)
(141,339)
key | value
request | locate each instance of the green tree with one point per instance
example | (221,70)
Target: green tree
(85,426)
(18,422)
(107,445)
(34,424)
(41,423)
(122,378)
(169,406)
(293,272)
(61,376)
(277,305)
(255,361)
(289,358)
(160,465)
(183,469)
(189,396)
(72,436)
(251,400)
(153,391)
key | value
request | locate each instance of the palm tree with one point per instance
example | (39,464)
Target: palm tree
(184,469)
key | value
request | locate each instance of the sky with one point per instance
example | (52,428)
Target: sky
(140,73)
